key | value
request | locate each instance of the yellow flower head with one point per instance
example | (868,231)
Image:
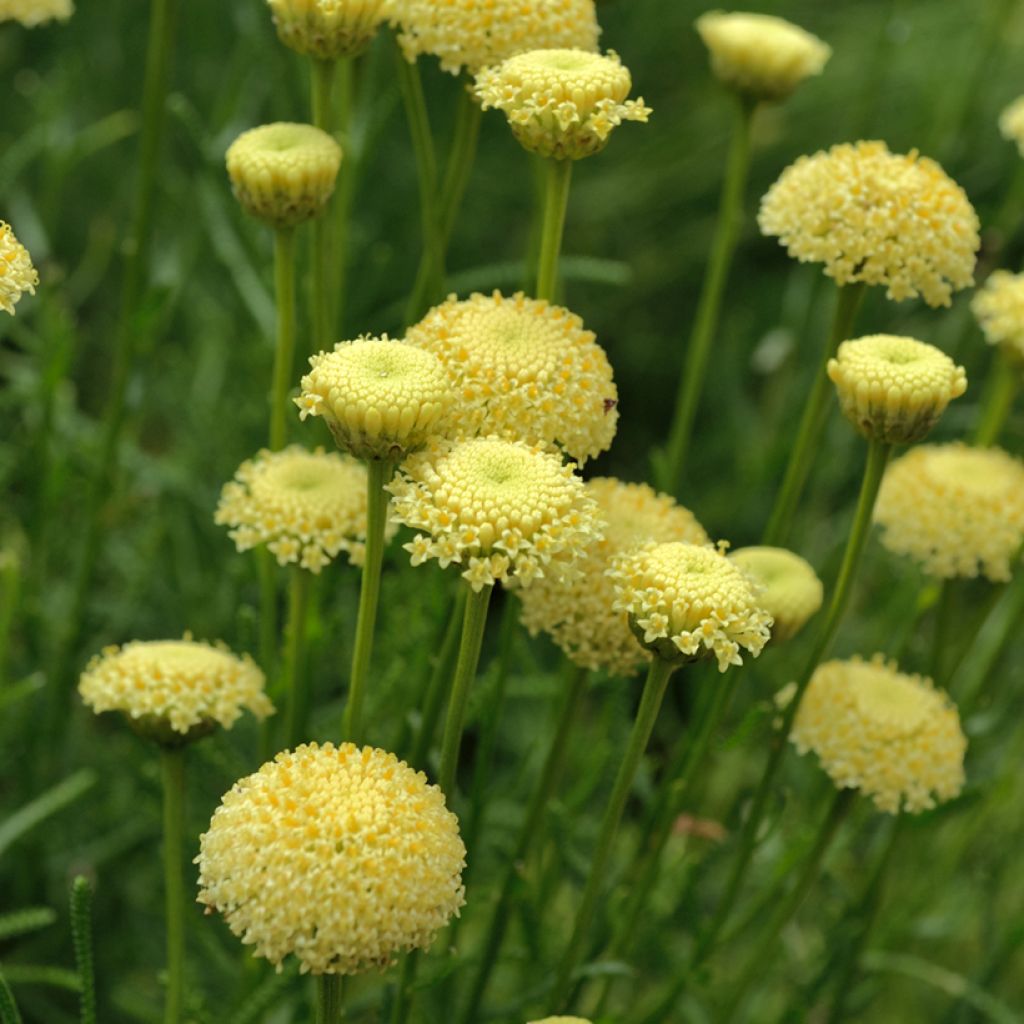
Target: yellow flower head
(759,55)
(956,510)
(790,589)
(579,612)
(381,398)
(688,601)
(561,103)
(35,12)
(1011,123)
(525,370)
(507,512)
(17,275)
(327,29)
(283,173)
(305,506)
(174,690)
(473,35)
(893,388)
(892,736)
(998,307)
(341,856)
(874,216)
(561,1020)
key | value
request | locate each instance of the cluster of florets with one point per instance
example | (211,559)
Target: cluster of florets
(790,589)
(31,13)
(999,308)
(327,29)
(342,857)
(523,369)
(17,275)
(877,217)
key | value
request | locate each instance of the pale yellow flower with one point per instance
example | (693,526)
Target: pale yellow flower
(1011,123)
(17,275)
(327,29)
(35,12)
(998,307)
(790,589)
(561,1020)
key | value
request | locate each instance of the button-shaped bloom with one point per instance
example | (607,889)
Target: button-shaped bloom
(790,589)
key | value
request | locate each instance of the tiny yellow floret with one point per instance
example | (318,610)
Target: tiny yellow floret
(525,370)
(877,217)
(892,736)
(17,275)
(1011,123)
(561,104)
(341,856)
(35,12)
(759,55)
(327,29)
(505,511)
(790,589)
(958,511)
(688,601)
(283,173)
(998,306)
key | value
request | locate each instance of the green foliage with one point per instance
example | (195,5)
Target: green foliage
(8,1007)
(54,800)
(22,922)
(81,936)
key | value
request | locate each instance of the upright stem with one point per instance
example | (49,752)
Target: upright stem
(723,247)
(330,998)
(556,202)
(654,691)
(473,623)
(999,398)
(812,420)
(266,569)
(295,676)
(172,765)
(343,193)
(284,351)
(943,624)
(403,990)
(322,270)
(378,473)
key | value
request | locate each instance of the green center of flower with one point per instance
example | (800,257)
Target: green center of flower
(897,704)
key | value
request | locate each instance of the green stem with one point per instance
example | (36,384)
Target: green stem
(654,691)
(323,255)
(556,202)
(812,420)
(330,998)
(284,351)
(10,585)
(172,764)
(378,473)
(943,626)
(473,623)
(999,398)
(531,829)
(723,247)
(344,192)
(403,990)
(266,567)
(295,676)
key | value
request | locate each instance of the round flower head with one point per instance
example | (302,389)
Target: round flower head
(894,389)
(473,35)
(507,512)
(759,55)
(579,612)
(956,510)
(561,103)
(35,12)
(790,589)
(283,173)
(561,1020)
(381,398)
(305,506)
(1011,123)
(688,601)
(327,29)
(892,736)
(17,275)
(174,690)
(999,308)
(341,856)
(874,216)
(525,370)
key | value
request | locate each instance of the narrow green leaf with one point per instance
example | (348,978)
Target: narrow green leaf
(81,936)
(41,974)
(28,919)
(8,1007)
(43,807)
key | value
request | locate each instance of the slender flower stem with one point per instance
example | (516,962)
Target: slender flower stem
(556,202)
(172,765)
(10,585)
(756,967)
(403,990)
(330,998)
(266,567)
(344,192)
(723,247)
(473,623)
(997,405)
(378,473)
(323,255)
(284,352)
(812,421)
(878,456)
(943,625)
(295,676)
(650,702)
(531,829)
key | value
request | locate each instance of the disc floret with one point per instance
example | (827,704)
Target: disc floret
(790,590)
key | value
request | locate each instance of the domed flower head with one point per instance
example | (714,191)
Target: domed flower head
(340,856)
(327,29)
(381,398)
(579,612)
(956,510)
(283,173)
(561,103)
(473,35)
(505,511)
(305,506)
(688,601)
(174,691)
(998,307)
(35,12)
(1011,123)
(17,275)
(892,736)
(894,389)
(759,55)
(525,370)
(874,216)
(790,589)
(561,1020)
